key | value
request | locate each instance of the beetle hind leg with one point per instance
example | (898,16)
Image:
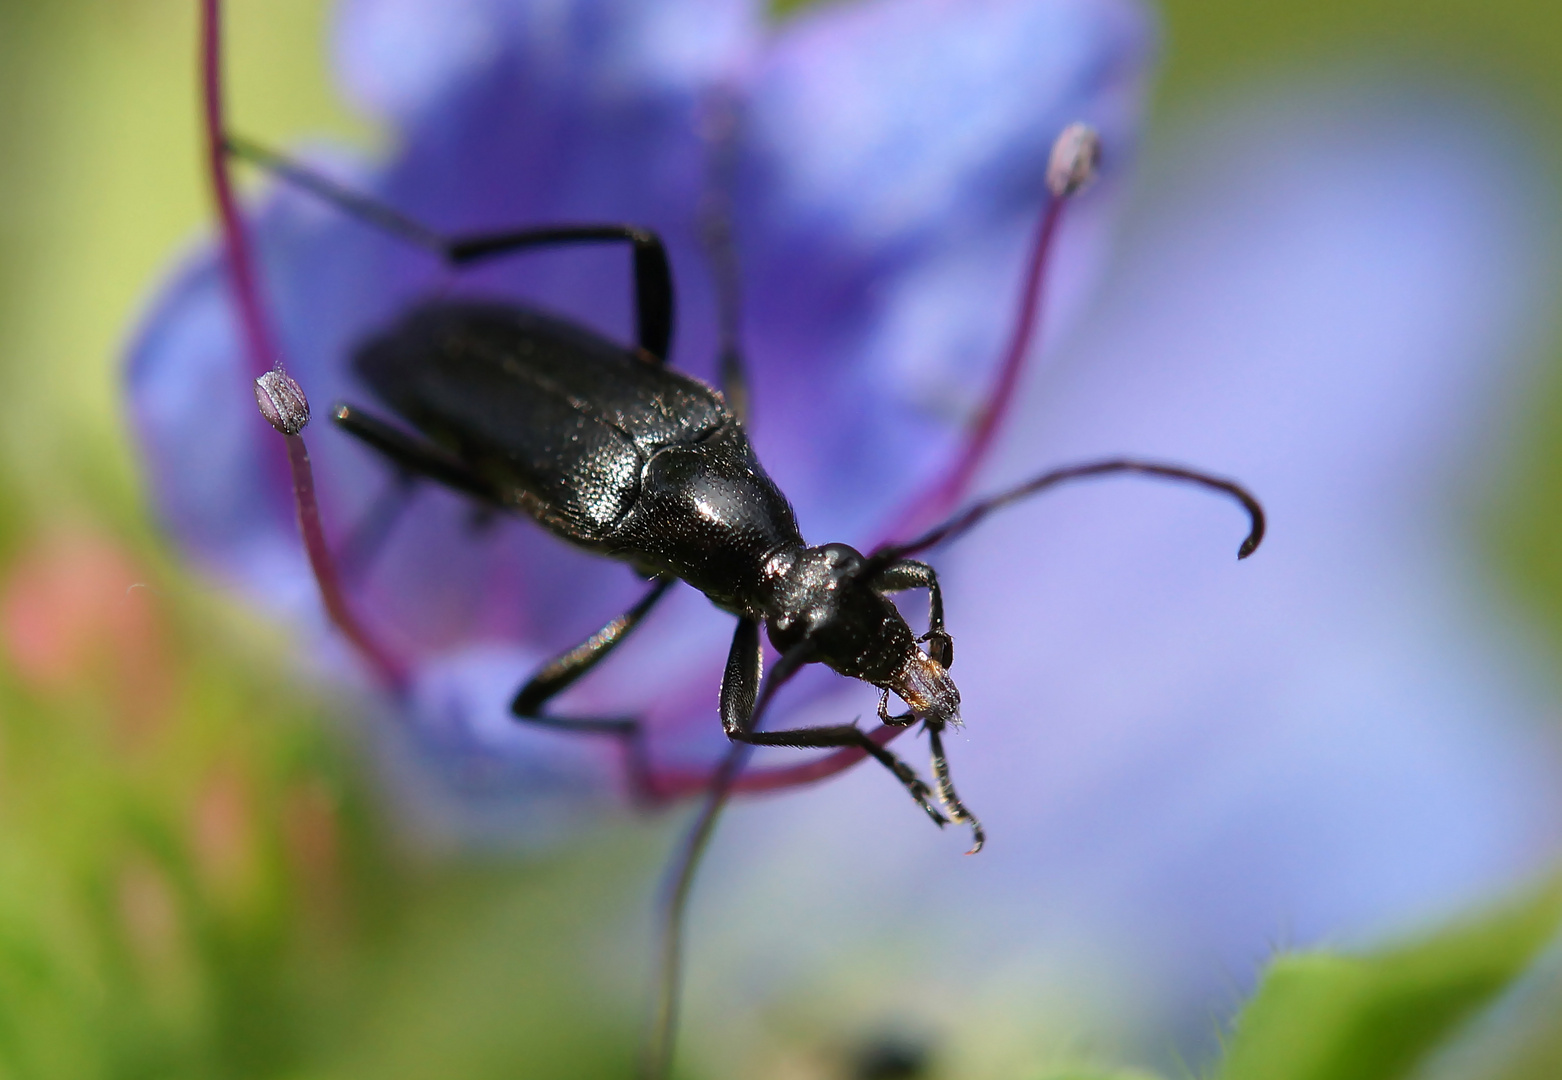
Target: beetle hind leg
(411,455)
(652,273)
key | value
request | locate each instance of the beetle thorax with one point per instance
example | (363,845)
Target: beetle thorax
(823,595)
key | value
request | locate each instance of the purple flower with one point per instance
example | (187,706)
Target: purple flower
(1180,761)
(886,173)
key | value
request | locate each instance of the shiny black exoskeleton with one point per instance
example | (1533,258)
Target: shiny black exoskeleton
(612,450)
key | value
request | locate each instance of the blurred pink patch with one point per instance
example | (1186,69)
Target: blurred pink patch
(222,836)
(74,611)
(313,846)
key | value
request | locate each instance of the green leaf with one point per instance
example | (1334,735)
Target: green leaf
(1376,1016)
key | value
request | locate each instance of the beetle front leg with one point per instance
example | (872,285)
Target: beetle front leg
(910,574)
(947,794)
(739,690)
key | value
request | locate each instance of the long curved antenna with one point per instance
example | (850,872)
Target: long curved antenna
(967,519)
(281,400)
(656,1053)
(674,784)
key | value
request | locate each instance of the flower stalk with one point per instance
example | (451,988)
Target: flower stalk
(281,400)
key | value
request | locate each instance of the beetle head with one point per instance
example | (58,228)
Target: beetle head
(826,596)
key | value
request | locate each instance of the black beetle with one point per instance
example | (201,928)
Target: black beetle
(611,449)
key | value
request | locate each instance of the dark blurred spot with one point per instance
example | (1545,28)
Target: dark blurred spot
(892,1058)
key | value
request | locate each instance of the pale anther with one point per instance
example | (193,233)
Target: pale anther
(1076,155)
(282,402)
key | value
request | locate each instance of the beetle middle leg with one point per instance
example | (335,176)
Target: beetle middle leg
(739,687)
(558,674)
(415,457)
(653,279)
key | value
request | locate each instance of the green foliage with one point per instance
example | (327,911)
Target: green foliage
(1378,1016)
(1382,1015)
(187,891)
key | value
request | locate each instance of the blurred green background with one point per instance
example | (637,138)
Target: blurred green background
(196,876)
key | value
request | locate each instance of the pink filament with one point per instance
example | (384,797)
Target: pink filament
(264,355)
(941,498)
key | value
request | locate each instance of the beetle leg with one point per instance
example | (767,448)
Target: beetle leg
(558,674)
(738,690)
(734,381)
(413,459)
(653,277)
(946,791)
(910,574)
(364,543)
(901,720)
(410,454)
(740,681)
(721,253)
(653,280)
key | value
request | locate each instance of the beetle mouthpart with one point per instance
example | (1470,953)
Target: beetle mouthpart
(927,688)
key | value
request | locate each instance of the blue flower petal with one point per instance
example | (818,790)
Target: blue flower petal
(408,59)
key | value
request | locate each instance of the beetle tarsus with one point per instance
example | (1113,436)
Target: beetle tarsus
(946,791)
(922,794)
